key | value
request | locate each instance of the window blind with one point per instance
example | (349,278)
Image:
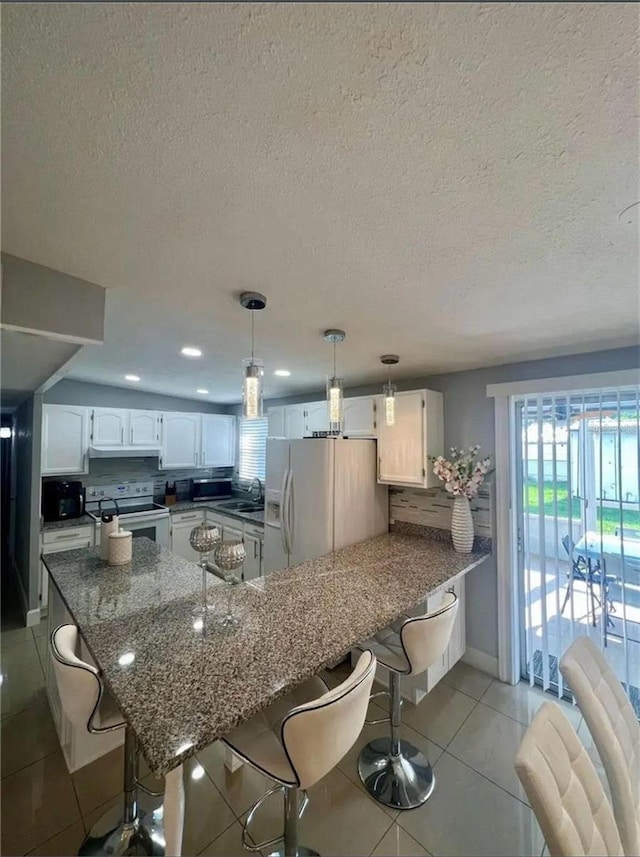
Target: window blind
(252,449)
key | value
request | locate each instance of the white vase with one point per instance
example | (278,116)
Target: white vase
(462,525)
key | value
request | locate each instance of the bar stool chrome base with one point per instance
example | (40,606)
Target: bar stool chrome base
(400,781)
(143,836)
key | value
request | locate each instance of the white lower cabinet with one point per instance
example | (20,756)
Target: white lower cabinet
(181,525)
(56,541)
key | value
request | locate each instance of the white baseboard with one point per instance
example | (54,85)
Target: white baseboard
(481,661)
(33,617)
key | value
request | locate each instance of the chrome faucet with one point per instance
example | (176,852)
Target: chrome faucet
(256,482)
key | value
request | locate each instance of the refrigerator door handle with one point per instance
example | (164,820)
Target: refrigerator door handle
(283,512)
(290,512)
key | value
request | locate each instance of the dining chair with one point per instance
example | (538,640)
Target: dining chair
(614,727)
(564,790)
(590,572)
(87,703)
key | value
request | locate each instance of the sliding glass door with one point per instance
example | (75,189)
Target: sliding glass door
(578,531)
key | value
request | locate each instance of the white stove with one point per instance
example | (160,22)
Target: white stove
(136,510)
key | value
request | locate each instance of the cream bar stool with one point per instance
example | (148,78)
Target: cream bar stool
(299,739)
(393,771)
(564,790)
(615,730)
(86,703)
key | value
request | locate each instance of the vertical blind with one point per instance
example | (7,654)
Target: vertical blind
(252,453)
(579,531)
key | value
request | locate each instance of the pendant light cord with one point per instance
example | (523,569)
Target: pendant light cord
(252,332)
(334,358)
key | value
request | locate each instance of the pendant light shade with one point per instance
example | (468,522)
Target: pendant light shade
(253,369)
(335,386)
(389,391)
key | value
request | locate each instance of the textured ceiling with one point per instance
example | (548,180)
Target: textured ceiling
(443,181)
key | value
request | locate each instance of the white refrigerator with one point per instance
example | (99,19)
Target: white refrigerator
(321,495)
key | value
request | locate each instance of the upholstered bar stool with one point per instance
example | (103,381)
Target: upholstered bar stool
(393,771)
(614,728)
(298,740)
(564,790)
(86,703)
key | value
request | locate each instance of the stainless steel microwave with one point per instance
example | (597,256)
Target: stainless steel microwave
(210,489)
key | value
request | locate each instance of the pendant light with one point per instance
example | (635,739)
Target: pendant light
(335,385)
(253,369)
(389,391)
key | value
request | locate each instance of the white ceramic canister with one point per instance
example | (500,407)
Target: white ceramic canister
(120,547)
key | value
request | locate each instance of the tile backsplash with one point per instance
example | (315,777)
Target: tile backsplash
(103,471)
(432,507)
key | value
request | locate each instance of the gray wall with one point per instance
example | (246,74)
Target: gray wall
(69,392)
(27,427)
(469,419)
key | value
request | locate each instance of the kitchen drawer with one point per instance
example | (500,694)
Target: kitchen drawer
(65,536)
(195,517)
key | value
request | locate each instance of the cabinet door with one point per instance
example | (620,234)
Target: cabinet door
(251,567)
(401,447)
(458,642)
(65,438)
(180,440)
(144,428)
(359,417)
(109,427)
(276,417)
(441,666)
(294,421)
(180,544)
(317,417)
(218,441)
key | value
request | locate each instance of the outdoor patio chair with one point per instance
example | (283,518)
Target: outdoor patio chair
(580,570)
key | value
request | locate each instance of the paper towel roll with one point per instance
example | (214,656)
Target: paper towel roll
(105,531)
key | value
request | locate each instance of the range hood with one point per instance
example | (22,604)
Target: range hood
(124,452)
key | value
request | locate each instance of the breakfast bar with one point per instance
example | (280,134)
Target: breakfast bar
(181,683)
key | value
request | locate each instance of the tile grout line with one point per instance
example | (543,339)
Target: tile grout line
(215,839)
(59,833)
(382,837)
(485,777)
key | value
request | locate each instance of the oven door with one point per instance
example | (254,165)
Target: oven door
(157,529)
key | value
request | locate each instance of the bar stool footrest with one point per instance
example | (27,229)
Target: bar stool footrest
(261,846)
(403,781)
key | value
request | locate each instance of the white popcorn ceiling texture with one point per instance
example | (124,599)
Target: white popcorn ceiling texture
(441,181)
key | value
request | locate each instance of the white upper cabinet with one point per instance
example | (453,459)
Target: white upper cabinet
(180,440)
(294,418)
(218,441)
(417,433)
(276,426)
(65,438)
(317,417)
(359,417)
(109,426)
(144,428)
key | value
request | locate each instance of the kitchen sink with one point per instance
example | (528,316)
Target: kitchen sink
(240,506)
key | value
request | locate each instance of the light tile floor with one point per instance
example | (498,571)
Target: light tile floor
(470,726)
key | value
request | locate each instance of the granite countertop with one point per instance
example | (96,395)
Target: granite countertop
(82,521)
(187,685)
(214,506)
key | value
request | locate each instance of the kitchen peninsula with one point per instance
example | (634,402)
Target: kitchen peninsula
(181,686)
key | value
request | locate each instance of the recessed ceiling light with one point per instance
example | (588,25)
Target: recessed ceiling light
(190,351)
(283,373)
(131,377)
(5,432)
(202,392)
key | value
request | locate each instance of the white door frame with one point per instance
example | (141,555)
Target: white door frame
(504,396)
